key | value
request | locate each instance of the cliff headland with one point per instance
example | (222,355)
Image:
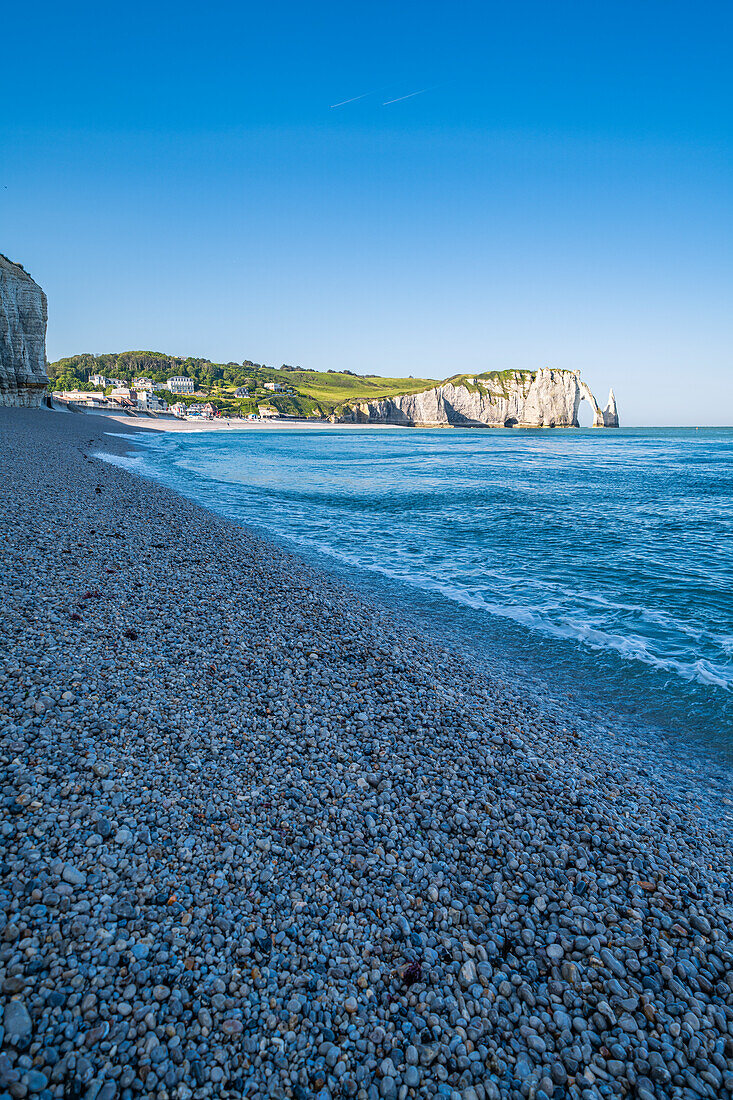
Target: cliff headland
(498,399)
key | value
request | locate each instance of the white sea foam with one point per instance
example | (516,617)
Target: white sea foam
(580,540)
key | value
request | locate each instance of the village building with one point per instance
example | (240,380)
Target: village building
(82,397)
(180,384)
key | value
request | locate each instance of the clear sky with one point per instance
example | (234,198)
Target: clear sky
(559,193)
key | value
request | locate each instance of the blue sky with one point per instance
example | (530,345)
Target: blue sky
(558,194)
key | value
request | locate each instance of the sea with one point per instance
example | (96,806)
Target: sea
(593,568)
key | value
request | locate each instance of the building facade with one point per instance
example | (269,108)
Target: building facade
(180,384)
(150,402)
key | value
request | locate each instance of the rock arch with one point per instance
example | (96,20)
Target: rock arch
(583,393)
(602,418)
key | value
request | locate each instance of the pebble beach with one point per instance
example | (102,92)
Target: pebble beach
(260,838)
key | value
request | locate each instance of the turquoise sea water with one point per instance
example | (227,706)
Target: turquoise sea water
(598,564)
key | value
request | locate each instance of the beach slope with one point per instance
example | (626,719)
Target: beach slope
(261,840)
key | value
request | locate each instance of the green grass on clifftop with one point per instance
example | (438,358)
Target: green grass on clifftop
(335,389)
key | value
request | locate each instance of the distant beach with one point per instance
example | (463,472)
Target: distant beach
(219,424)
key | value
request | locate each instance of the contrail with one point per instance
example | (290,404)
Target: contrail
(401,97)
(345,101)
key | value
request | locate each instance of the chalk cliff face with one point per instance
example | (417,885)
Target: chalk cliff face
(511,399)
(23,315)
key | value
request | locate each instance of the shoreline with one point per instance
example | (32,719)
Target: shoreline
(172,424)
(697,775)
(149,423)
(289,844)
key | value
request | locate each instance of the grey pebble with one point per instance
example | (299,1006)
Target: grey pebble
(279,843)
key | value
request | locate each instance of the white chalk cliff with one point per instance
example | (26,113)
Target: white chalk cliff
(23,316)
(507,399)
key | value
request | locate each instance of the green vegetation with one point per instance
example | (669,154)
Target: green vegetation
(493,383)
(331,389)
(149,364)
(316,393)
